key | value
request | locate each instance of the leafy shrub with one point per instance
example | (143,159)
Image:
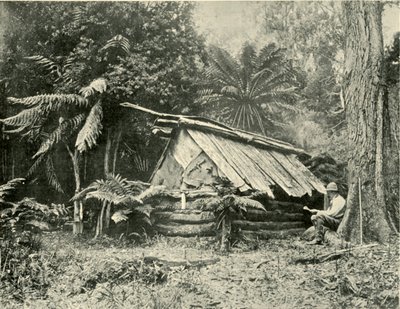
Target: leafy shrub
(22,268)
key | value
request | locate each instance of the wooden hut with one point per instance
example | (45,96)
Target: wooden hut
(200,152)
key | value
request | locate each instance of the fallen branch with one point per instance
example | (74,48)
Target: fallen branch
(186,263)
(330,256)
(338,254)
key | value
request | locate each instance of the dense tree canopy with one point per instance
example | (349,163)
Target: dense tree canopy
(145,52)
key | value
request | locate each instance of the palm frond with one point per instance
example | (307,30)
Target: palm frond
(98,85)
(27,117)
(118,41)
(91,130)
(65,128)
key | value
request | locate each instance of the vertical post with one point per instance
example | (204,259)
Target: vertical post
(360,205)
(226,233)
(183,201)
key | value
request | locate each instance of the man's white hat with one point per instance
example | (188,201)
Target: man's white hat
(332,187)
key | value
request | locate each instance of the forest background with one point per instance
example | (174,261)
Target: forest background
(165,56)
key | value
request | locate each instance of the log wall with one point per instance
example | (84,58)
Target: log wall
(279,220)
(184,222)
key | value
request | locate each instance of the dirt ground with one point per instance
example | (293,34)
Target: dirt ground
(168,273)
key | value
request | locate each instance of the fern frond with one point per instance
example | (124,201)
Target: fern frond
(223,62)
(241,201)
(10,186)
(78,13)
(121,215)
(91,130)
(27,117)
(51,102)
(118,41)
(82,194)
(35,165)
(41,225)
(65,128)
(33,204)
(46,64)
(58,210)
(52,176)
(17,130)
(115,184)
(98,85)
(105,196)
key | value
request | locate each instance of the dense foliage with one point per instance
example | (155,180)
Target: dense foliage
(140,54)
(252,91)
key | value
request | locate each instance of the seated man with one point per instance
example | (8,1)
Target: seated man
(329,218)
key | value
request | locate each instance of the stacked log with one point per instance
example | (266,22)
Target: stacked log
(184,222)
(281,219)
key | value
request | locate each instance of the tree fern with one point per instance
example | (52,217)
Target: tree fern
(66,127)
(113,189)
(91,130)
(243,87)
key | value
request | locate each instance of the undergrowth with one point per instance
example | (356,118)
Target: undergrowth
(78,273)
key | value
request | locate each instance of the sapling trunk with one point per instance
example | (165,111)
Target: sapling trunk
(226,233)
(78,207)
(106,211)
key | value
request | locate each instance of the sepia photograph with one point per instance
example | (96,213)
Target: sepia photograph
(199,154)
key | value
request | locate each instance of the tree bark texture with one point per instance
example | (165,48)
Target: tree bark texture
(364,97)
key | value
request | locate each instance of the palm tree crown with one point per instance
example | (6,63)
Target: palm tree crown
(249,91)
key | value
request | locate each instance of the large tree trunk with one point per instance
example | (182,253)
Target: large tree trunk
(78,207)
(364,97)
